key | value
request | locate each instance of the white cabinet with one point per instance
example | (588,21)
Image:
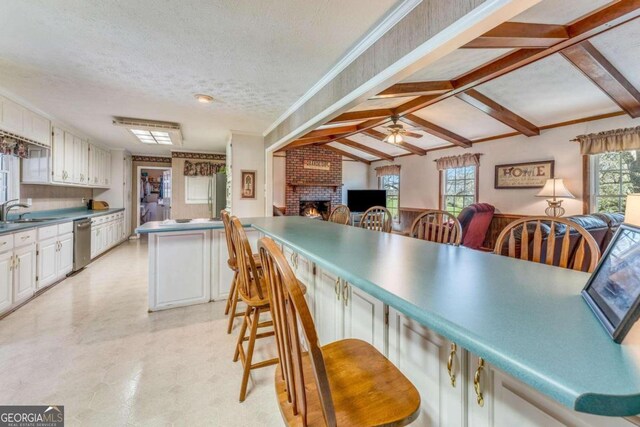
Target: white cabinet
(55,253)
(77,160)
(99,167)
(329,316)
(364,317)
(83,161)
(21,121)
(68,158)
(6,280)
(106,232)
(65,254)
(57,155)
(37,128)
(423,357)
(24,272)
(12,116)
(47,260)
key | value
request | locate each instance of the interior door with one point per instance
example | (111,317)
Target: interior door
(46,260)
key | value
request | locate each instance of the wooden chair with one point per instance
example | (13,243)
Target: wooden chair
(437,226)
(340,215)
(232,299)
(346,383)
(575,245)
(377,218)
(251,290)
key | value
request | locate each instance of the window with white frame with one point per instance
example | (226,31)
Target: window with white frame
(9,177)
(459,188)
(391,183)
(614,175)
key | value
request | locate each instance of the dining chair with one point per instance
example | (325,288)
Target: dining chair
(251,290)
(551,241)
(346,382)
(437,226)
(340,215)
(377,218)
(232,262)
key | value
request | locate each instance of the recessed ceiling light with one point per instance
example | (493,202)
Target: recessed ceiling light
(204,99)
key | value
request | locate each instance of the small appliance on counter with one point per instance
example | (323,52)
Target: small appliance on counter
(97,205)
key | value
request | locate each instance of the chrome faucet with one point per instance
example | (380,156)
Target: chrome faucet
(7,206)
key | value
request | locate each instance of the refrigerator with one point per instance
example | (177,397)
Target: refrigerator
(217,194)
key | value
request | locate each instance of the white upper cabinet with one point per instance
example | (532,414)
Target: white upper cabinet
(57,155)
(16,119)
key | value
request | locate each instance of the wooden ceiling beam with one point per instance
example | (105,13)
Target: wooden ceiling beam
(596,23)
(404,145)
(510,35)
(416,89)
(436,130)
(365,148)
(586,58)
(348,155)
(338,130)
(498,112)
(351,116)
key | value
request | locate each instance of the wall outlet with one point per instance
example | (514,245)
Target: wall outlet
(29,201)
(84,201)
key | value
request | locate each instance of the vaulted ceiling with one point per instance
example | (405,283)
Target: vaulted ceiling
(559,62)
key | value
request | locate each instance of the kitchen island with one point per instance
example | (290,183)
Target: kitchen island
(488,340)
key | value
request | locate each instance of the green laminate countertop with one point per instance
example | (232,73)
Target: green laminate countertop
(57,216)
(526,319)
(171,225)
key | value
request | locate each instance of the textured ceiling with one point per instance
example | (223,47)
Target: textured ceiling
(85,61)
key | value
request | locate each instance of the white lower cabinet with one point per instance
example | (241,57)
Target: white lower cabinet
(24,273)
(364,317)
(423,356)
(106,232)
(6,280)
(329,313)
(55,253)
(47,258)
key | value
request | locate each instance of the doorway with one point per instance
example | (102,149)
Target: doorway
(153,198)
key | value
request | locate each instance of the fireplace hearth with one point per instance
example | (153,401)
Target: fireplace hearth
(317,209)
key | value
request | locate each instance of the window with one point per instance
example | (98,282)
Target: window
(391,183)
(614,176)
(9,177)
(459,188)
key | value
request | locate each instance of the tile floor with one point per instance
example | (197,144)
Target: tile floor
(90,344)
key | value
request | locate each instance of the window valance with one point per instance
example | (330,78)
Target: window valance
(13,147)
(461,161)
(202,168)
(612,140)
(387,170)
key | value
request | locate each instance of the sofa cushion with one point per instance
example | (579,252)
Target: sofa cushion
(475,220)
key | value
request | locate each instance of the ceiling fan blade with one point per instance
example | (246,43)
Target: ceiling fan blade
(413,135)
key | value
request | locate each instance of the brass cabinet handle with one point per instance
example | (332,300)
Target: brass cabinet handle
(295,260)
(345,293)
(291,259)
(337,288)
(476,382)
(452,355)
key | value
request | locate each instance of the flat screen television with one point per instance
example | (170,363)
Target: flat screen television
(361,200)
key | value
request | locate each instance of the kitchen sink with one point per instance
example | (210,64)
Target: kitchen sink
(29,220)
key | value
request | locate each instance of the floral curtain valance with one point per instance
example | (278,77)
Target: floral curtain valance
(202,168)
(387,170)
(13,147)
(612,140)
(461,161)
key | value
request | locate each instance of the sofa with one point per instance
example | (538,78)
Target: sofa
(475,220)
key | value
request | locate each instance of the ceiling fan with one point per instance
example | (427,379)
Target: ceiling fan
(396,132)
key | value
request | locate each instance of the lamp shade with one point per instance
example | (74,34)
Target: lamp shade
(632,212)
(555,187)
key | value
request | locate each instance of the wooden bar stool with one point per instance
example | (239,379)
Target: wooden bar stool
(346,383)
(251,290)
(437,226)
(232,262)
(377,218)
(340,215)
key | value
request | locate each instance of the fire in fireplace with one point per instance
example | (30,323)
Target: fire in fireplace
(318,209)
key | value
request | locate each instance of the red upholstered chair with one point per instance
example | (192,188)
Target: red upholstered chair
(475,220)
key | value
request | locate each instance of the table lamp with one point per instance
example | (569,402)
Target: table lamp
(555,189)
(632,211)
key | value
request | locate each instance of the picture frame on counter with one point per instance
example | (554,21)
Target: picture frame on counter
(248,187)
(523,175)
(613,290)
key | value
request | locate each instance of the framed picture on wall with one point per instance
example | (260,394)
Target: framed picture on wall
(523,175)
(248,187)
(613,291)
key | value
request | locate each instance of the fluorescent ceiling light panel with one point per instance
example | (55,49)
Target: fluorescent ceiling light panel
(151,132)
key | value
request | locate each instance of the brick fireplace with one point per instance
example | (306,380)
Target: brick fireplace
(322,188)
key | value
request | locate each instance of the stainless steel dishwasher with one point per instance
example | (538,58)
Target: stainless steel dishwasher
(81,243)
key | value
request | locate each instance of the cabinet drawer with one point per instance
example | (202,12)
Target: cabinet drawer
(65,228)
(47,232)
(25,238)
(6,242)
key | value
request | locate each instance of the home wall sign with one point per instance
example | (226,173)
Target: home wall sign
(316,164)
(523,175)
